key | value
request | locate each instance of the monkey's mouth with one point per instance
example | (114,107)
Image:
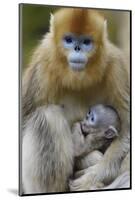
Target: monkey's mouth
(77,61)
(84,130)
(77,65)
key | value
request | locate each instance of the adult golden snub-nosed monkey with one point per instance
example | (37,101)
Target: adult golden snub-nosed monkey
(74,67)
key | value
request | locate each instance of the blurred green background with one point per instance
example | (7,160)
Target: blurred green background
(34,23)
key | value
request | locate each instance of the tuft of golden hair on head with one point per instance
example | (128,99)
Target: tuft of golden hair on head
(78,21)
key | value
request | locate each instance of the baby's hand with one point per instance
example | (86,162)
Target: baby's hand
(78,139)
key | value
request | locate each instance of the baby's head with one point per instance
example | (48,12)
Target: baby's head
(102,119)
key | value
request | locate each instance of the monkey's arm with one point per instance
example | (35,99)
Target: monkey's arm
(47,151)
(122,181)
(83,145)
(90,159)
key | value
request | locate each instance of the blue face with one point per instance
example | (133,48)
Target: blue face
(78,46)
(91,118)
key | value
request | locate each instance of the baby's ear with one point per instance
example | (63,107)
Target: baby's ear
(111,132)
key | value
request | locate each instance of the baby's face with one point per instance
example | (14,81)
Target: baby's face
(92,122)
(98,120)
(88,129)
(98,127)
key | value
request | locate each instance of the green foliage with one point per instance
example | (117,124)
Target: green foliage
(34,23)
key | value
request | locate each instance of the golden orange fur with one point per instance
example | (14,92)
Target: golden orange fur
(51,57)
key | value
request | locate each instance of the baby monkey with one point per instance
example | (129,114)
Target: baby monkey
(93,135)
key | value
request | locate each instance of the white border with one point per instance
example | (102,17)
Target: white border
(9,97)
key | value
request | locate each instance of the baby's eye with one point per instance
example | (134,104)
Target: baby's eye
(89,111)
(92,118)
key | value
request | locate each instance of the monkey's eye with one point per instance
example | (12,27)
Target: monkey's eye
(89,111)
(68,39)
(92,118)
(87,41)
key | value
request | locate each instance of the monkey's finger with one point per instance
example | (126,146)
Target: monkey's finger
(72,186)
(80,184)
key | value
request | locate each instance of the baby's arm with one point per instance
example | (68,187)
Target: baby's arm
(83,149)
(85,144)
(90,159)
(78,140)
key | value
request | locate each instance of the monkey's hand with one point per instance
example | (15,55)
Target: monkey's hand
(86,181)
(78,140)
(76,129)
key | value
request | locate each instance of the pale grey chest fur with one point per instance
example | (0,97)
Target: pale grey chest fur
(76,106)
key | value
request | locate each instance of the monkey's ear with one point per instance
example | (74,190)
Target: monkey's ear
(51,23)
(111,132)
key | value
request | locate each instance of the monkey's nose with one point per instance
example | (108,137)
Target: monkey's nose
(77,48)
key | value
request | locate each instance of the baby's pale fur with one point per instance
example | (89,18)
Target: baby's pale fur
(91,136)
